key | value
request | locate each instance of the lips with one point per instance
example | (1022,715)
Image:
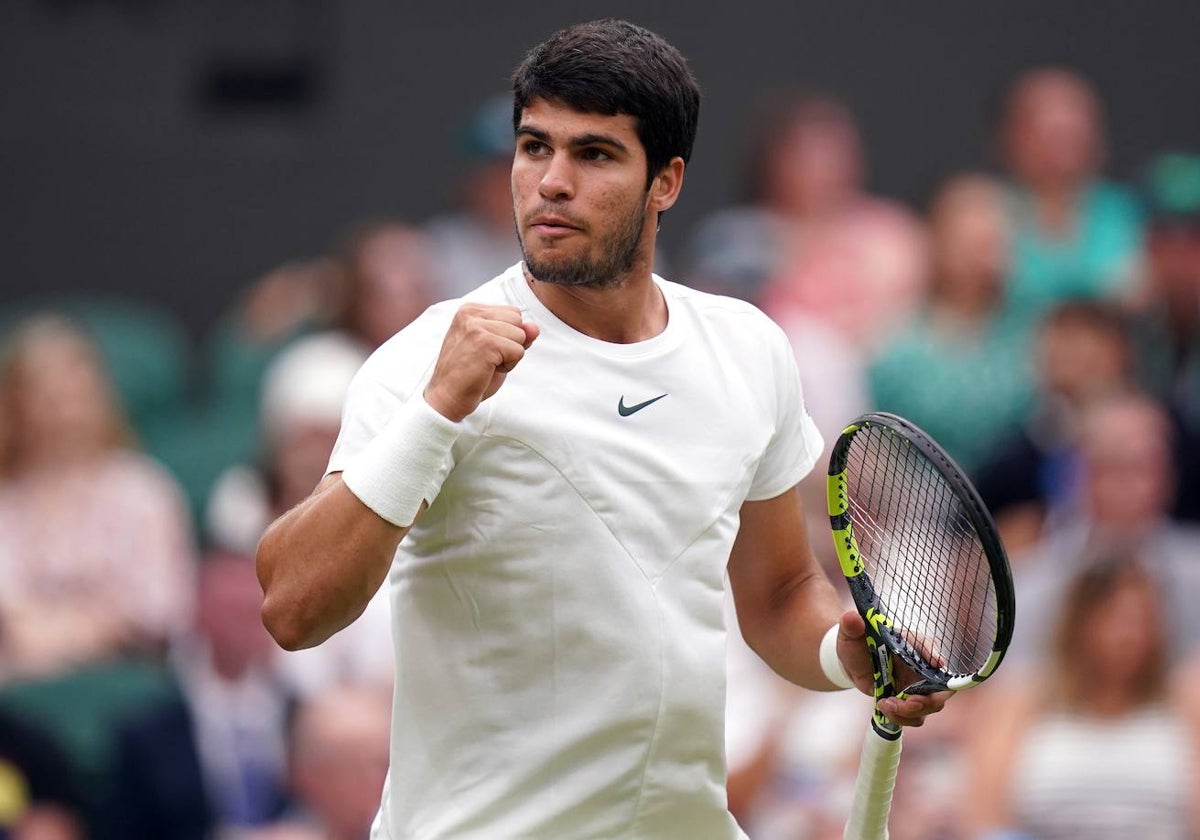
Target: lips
(552,225)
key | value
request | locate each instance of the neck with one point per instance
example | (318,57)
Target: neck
(1111,699)
(1056,206)
(963,306)
(631,310)
(55,456)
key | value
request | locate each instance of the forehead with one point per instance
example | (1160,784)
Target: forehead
(563,123)
(1054,94)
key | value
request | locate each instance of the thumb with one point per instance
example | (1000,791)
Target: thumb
(852,628)
(852,650)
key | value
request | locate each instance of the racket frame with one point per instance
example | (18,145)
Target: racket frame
(882,637)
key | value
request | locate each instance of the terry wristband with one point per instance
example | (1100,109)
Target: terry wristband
(830,663)
(404,465)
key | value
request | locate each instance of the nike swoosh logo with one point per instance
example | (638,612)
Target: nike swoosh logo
(626,410)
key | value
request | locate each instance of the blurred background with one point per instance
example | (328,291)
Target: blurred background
(986,219)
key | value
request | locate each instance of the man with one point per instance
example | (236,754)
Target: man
(209,758)
(577,457)
(1127,472)
(1075,232)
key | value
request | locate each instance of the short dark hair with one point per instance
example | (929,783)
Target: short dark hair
(1100,316)
(613,66)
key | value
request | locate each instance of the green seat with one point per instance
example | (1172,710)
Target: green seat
(83,709)
(146,350)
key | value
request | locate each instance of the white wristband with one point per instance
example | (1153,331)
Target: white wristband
(830,663)
(404,465)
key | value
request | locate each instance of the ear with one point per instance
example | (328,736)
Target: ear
(665,187)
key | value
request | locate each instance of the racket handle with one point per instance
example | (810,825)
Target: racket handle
(873,789)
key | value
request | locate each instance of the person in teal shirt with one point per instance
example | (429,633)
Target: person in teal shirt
(961,369)
(1074,234)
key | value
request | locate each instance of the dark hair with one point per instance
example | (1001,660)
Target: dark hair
(1100,316)
(613,66)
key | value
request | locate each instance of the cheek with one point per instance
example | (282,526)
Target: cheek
(523,183)
(616,203)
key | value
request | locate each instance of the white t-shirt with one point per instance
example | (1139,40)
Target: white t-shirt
(557,611)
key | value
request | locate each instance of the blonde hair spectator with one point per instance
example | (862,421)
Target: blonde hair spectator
(95,536)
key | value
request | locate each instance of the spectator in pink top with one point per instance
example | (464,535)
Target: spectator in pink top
(812,237)
(95,544)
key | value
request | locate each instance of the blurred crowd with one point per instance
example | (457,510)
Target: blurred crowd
(1040,319)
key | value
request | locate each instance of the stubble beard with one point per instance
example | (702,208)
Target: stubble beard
(618,253)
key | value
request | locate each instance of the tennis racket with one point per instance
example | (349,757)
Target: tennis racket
(927,572)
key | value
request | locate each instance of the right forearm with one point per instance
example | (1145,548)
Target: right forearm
(320,563)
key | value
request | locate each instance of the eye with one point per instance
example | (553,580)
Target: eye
(534,147)
(594,154)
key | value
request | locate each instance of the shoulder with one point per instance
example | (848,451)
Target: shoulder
(136,478)
(1017,699)
(1114,202)
(736,318)
(133,467)
(1112,193)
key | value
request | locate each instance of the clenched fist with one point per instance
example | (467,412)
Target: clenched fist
(483,344)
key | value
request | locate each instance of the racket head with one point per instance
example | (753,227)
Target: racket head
(920,553)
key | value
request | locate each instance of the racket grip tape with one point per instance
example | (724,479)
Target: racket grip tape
(873,789)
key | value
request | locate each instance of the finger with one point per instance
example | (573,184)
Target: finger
(532,331)
(507,314)
(510,354)
(852,651)
(507,332)
(852,627)
(913,709)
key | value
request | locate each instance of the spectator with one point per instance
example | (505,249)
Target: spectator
(300,411)
(960,369)
(218,426)
(303,392)
(1124,504)
(94,536)
(39,796)
(386,270)
(1167,326)
(340,761)
(476,239)
(1074,233)
(810,235)
(1094,743)
(213,756)
(833,371)
(1082,353)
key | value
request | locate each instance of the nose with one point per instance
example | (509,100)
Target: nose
(557,183)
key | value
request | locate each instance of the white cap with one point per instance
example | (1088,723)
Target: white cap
(306,384)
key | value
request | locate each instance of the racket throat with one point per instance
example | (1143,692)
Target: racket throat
(885,687)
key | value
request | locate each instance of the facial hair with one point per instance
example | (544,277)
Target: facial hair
(617,254)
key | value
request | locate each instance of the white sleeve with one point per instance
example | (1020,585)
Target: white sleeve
(796,444)
(387,380)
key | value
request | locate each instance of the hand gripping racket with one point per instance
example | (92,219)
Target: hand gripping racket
(927,572)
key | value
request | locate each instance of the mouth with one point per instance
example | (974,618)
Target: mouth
(553,226)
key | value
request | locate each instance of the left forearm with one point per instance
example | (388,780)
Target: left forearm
(786,631)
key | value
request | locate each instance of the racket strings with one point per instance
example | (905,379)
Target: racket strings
(921,552)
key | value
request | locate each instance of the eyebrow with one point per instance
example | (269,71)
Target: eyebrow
(581,140)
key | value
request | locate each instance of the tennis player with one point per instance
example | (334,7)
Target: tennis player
(557,472)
